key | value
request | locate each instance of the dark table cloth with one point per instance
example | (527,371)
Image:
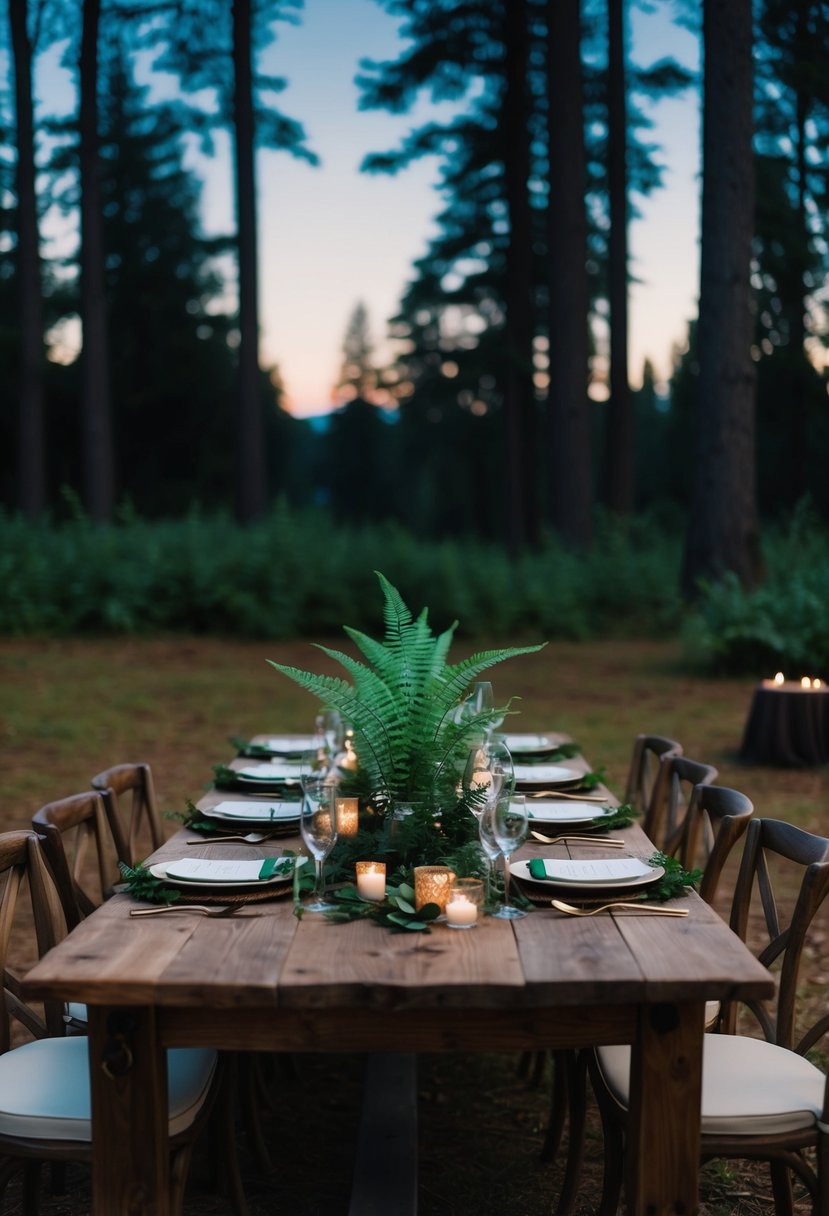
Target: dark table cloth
(787,726)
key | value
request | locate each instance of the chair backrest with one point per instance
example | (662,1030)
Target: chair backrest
(716,818)
(137,831)
(21,859)
(671,795)
(784,870)
(648,750)
(80,850)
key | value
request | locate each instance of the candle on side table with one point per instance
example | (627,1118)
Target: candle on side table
(371,880)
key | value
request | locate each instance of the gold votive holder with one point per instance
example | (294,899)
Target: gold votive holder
(348,816)
(432,885)
(465,903)
(371,880)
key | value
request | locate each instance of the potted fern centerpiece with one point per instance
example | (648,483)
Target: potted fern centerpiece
(400,702)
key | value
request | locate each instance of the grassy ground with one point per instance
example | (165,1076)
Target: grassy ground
(70,708)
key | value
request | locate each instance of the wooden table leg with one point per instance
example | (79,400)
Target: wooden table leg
(662,1157)
(128,1076)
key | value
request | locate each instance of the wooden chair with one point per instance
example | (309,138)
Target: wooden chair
(44,1082)
(716,819)
(761,1098)
(648,750)
(670,797)
(81,852)
(138,831)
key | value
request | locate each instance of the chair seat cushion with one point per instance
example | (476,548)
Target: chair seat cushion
(44,1088)
(749,1087)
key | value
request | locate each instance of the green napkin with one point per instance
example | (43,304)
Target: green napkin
(269,867)
(537,867)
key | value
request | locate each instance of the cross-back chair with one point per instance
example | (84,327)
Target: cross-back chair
(44,1081)
(136,831)
(716,819)
(670,797)
(647,752)
(762,1098)
(81,851)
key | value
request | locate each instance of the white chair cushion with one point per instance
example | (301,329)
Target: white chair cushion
(44,1088)
(749,1087)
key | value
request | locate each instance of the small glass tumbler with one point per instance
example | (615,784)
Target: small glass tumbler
(432,886)
(465,903)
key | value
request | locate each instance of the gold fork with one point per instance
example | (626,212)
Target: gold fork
(605,841)
(561,906)
(202,909)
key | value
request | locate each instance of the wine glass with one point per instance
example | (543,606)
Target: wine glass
(489,772)
(510,825)
(330,725)
(314,765)
(318,824)
(489,846)
(484,703)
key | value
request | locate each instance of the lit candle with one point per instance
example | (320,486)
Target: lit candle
(805,682)
(817,684)
(465,899)
(348,816)
(371,880)
(461,913)
(779,678)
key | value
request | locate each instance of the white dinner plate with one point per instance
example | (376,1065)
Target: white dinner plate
(528,743)
(276,812)
(217,874)
(547,774)
(275,770)
(599,874)
(285,745)
(561,813)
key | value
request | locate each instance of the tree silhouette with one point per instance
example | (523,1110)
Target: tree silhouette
(722,530)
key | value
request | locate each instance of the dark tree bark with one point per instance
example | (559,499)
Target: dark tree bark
(519,395)
(31,462)
(252,487)
(569,415)
(723,532)
(619,476)
(99,475)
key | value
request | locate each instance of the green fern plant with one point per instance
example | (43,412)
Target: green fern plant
(400,703)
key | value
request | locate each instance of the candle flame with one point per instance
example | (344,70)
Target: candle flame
(779,678)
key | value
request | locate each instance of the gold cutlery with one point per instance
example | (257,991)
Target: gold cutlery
(605,841)
(561,906)
(202,909)
(563,794)
(250,838)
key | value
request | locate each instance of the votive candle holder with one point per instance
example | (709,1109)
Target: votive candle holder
(348,816)
(371,880)
(465,903)
(432,885)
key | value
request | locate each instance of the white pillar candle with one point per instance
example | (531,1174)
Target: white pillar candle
(371,880)
(461,912)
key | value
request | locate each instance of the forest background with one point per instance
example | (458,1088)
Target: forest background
(155,481)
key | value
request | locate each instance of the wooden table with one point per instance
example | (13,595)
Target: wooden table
(264,980)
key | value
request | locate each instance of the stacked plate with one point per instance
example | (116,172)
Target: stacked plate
(586,875)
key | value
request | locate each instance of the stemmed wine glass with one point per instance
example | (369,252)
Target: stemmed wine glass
(318,824)
(489,846)
(330,727)
(484,703)
(489,772)
(509,828)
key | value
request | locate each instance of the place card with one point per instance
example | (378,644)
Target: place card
(223,870)
(598,870)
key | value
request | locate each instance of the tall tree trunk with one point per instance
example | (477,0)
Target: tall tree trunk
(251,487)
(31,461)
(722,532)
(520,400)
(798,407)
(99,476)
(619,445)
(569,413)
